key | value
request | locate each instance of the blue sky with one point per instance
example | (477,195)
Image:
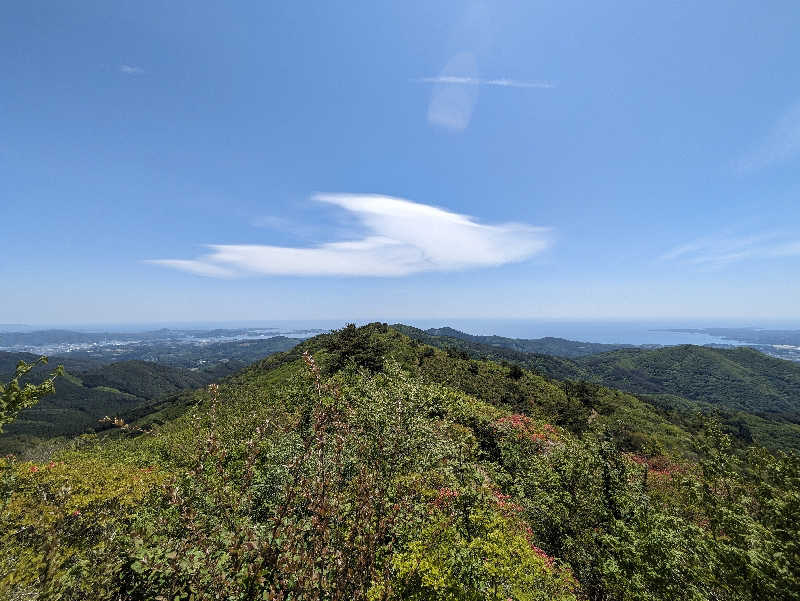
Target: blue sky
(170,161)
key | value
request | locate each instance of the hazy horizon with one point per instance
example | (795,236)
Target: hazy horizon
(427,322)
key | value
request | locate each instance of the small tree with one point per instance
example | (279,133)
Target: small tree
(364,346)
(14,398)
(515,372)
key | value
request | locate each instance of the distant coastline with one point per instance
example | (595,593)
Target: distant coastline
(782,343)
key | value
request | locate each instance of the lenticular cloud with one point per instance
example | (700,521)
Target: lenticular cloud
(401,238)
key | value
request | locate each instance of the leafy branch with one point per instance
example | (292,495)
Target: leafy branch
(15,397)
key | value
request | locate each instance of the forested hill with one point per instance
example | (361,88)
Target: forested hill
(150,380)
(756,393)
(740,378)
(365,465)
(560,347)
(86,393)
(9,360)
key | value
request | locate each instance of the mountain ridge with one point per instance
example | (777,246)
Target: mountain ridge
(367,465)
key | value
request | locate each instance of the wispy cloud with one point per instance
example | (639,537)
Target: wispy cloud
(780,145)
(401,238)
(454,92)
(720,251)
(131,70)
(473,81)
(198,267)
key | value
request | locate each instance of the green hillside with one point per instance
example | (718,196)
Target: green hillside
(741,379)
(143,379)
(756,396)
(84,396)
(365,465)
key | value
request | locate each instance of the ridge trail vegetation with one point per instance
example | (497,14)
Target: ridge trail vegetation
(365,465)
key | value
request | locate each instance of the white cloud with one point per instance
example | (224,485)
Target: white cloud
(720,251)
(780,145)
(131,70)
(403,238)
(473,81)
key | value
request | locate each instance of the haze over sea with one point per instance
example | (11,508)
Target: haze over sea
(656,332)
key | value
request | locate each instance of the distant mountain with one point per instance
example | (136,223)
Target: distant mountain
(559,347)
(738,378)
(70,411)
(180,348)
(9,360)
(41,337)
(118,378)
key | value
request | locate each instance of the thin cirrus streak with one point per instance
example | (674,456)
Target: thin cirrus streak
(721,251)
(780,145)
(474,81)
(402,238)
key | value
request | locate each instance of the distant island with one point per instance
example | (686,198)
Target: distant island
(784,344)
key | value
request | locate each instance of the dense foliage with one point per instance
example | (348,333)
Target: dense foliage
(364,466)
